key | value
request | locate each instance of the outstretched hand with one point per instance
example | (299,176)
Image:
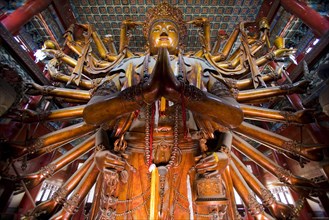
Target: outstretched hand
(34,88)
(106,160)
(212,165)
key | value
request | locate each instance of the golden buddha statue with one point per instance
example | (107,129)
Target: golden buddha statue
(162,124)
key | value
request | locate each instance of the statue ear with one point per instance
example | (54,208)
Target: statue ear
(181,46)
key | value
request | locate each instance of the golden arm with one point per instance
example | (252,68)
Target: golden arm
(247,83)
(264,114)
(227,47)
(234,66)
(278,209)
(60,195)
(95,208)
(35,89)
(102,50)
(232,208)
(282,174)
(261,93)
(34,179)
(50,148)
(29,116)
(72,204)
(76,48)
(254,208)
(126,27)
(205,33)
(256,43)
(281,143)
(58,76)
(95,67)
(67,133)
(51,141)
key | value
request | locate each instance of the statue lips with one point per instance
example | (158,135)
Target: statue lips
(164,39)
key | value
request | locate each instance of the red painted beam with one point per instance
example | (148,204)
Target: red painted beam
(64,12)
(318,23)
(23,14)
(268,9)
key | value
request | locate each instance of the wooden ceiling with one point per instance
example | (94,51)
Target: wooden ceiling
(107,15)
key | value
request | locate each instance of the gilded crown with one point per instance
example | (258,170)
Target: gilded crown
(165,11)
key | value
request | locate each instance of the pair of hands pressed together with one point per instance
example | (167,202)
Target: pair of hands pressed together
(162,82)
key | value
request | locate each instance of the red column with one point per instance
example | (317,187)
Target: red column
(318,23)
(23,14)
(268,9)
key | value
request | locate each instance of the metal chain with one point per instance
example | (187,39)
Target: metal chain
(180,195)
(175,149)
(204,215)
(147,133)
(182,207)
(134,209)
(134,198)
(175,146)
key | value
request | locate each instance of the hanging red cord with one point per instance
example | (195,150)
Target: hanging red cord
(151,133)
(136,113)
(184,116)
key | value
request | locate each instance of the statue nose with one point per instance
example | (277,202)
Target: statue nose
(164,32)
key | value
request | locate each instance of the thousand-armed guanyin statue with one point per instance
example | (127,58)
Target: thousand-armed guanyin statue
(159,126)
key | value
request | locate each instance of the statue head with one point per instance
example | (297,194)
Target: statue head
(164,27)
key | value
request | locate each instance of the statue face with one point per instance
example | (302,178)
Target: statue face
(164,34)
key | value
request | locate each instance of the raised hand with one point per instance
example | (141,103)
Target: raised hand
(130,24)
(199,22)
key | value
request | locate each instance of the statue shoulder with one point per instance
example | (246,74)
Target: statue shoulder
(194,61)
(192,64)
(210,77)
(123,65)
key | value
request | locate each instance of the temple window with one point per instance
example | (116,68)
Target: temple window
(46,192)
(282,194)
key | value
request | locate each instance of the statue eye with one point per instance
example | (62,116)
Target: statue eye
(156,29)
(172,29)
